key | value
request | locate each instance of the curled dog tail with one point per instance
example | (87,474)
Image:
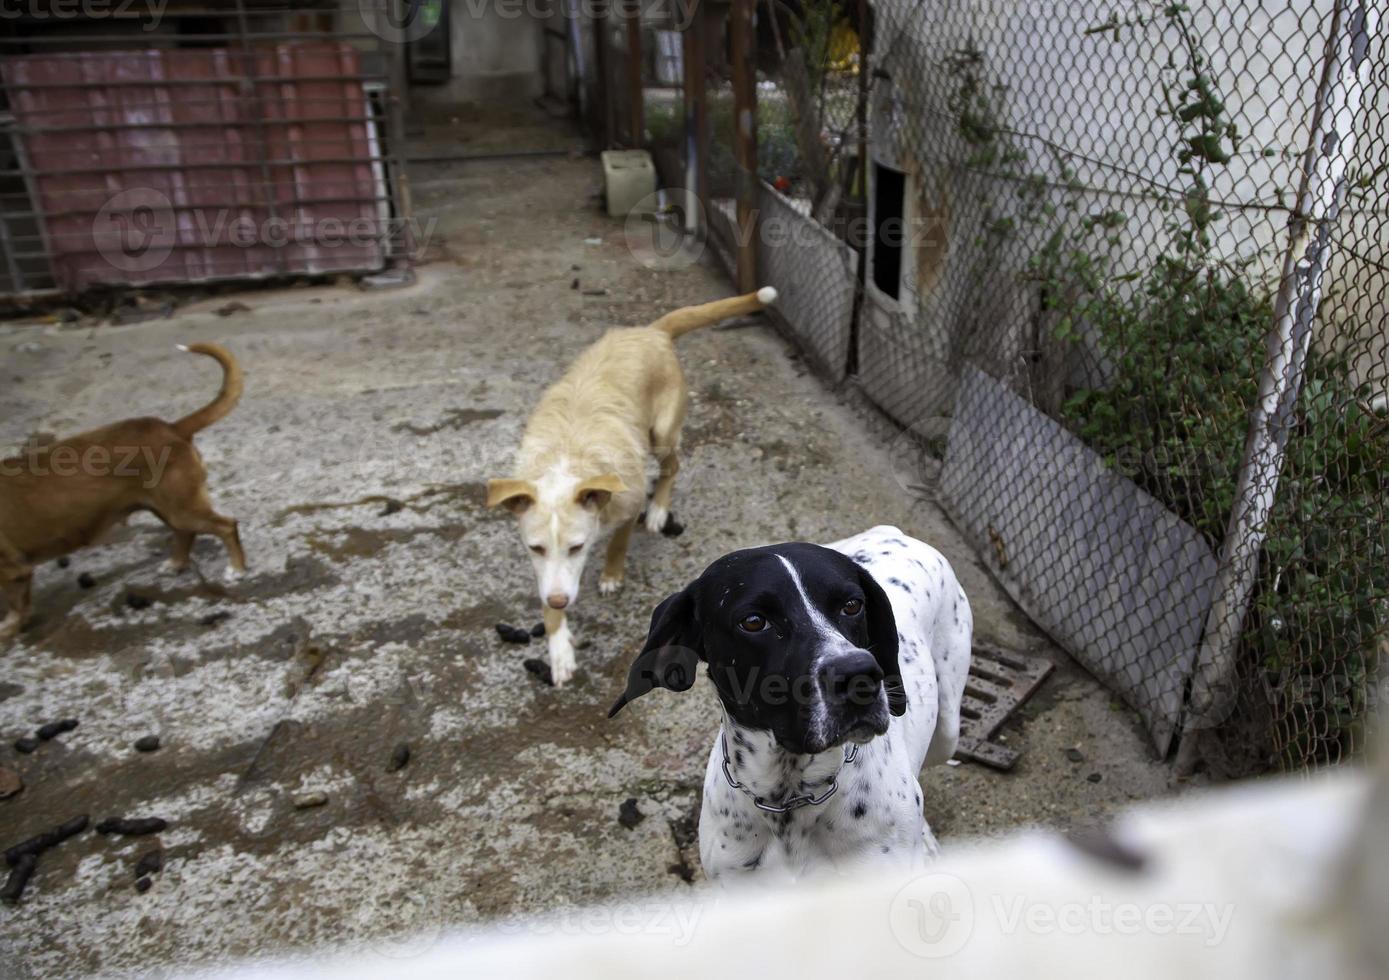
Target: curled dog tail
(226,398)
(682,321)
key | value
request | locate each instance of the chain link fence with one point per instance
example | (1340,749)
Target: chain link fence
(809,198)
(1141,244)
(1123,273)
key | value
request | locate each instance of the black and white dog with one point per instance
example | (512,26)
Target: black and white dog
(840,671)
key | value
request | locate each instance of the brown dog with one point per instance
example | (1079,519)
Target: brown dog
(63,496)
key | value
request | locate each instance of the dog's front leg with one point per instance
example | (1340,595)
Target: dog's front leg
(561,645)
(16,583)
(658,510)
(614,566)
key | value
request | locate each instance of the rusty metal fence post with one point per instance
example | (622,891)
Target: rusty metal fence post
(696,156)
(402,252)
(742,39)
(636,121)
(1320,198)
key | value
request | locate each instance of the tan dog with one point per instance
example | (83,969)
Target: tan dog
(581,468)
(63,496)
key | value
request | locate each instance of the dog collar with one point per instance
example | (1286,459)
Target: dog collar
(792,802)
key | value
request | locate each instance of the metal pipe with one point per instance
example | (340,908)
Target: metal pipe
(1320,197)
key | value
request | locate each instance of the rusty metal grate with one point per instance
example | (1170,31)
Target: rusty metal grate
(999,682)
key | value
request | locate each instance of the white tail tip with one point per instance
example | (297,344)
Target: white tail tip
(766,295)
(182,347)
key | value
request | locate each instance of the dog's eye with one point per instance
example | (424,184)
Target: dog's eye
(538,549)
(752,624)
(853,607)
(575,549)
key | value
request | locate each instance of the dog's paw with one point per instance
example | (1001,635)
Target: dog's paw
(175,568)
(609,586)
(656,516)
(233,575)
(562,663)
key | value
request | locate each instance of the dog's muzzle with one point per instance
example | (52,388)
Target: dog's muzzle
(851,680)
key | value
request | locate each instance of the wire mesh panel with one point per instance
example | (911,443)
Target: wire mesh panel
(663,93)
(815,274)
(1106,569)
(721,175)
(809,109)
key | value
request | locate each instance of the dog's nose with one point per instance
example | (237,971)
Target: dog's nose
(854,678)
(557,600)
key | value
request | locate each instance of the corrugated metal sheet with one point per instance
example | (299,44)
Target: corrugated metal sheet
(815,273)
(159,166)
(1110,573)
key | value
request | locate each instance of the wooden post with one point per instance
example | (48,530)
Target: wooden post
(741,41)
(636,123)
(864,51)
(602,59)
(694,41)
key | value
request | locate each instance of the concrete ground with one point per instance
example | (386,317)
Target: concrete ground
(356,464)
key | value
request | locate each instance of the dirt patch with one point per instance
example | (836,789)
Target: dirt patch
(454,418)
(346,544)
(470,496)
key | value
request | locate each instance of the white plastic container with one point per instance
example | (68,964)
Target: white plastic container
(629,178)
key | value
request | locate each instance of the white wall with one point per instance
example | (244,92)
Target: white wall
(1101,99)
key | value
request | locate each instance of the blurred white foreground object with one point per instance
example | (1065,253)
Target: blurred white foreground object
(1280,879)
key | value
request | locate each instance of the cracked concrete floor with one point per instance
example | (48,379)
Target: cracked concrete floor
(356,464)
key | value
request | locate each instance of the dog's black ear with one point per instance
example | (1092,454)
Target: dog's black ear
(882,640)
(674,647)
